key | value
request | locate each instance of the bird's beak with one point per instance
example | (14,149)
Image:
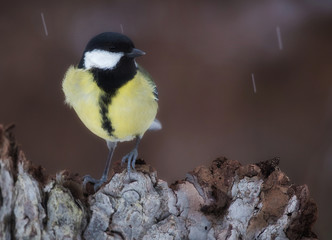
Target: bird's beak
(135,53)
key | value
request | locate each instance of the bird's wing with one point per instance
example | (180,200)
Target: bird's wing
(149,79)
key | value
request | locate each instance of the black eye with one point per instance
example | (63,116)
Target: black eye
(111,48)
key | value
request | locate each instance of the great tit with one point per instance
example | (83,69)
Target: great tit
(114,97)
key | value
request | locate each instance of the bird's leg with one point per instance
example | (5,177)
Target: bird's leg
(98,182)
(131,157)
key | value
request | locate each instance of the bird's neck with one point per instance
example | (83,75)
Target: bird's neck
(111,80)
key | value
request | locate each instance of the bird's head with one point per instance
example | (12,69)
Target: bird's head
(109,50)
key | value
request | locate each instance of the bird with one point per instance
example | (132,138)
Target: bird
(113,96)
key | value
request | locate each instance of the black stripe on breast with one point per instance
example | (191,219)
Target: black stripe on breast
(104,102)
(110,81)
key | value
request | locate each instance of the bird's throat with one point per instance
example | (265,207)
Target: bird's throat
(111,80)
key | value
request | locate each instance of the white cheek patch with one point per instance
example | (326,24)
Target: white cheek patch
(101,59)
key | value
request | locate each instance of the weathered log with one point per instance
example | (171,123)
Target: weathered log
(223,201)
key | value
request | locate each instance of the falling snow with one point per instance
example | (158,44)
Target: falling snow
(44,23)
(253,82)
(279,38)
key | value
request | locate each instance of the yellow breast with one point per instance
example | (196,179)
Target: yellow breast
(131,110)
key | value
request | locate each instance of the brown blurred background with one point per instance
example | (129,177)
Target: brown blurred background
(201,55)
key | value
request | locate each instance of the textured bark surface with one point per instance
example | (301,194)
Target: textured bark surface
(223,201)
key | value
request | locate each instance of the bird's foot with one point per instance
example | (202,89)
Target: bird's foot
(131,158)
(96,182)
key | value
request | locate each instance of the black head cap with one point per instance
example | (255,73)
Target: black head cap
(110,41)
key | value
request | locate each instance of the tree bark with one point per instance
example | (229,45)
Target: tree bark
(223,201)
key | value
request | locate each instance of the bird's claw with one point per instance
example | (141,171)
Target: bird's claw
(131,158)
(96,182)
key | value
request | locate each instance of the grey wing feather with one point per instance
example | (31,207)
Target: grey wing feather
(148,77)
(156,124)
